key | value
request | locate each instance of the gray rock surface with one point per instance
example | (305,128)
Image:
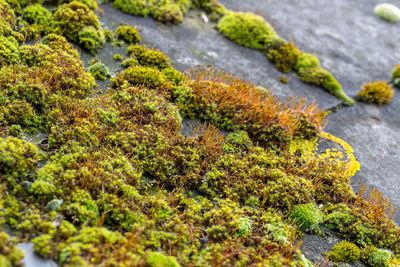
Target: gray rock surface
(32,259)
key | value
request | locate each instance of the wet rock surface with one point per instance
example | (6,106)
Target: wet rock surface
(351,43)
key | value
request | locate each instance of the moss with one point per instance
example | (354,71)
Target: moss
(69,19)
(18,158)
(377,257)
(321,77)
(99,71)
(285,58)
(388,12)
(129,62)
(154,259)
(307,216)
(133,7)
(147,76)
(149,57)
(91,39)
(128,33)
(345,252)
(305,60)
(246,29)
(378,92)
(175,76)
(165,11)
(9,53)
(244,227)
(237,142)
(396,76)
(10,255)
(36,13)
(118,57)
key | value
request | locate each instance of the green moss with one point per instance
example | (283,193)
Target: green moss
(345,252)
(99,71)
(237,142)
(129,62)
(388,12)
(244,227)
(396,76)
(285,58)
(377,257)
(10,255)
(118,57)
(306,60)
(91,39)
(147,76)
(246,29)
(321,77)
(154,259)
(378,92)
(166,11)
(128,33)
(9,53)
(306,216)
(19,158)
(69,19)
(37,14)
(149,57)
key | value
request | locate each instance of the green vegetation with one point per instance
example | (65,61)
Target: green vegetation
(377,92)
(306,216)
(345,252)
(247,29)
(128,34)
(253,31)
(396,76)
(107,178)
(388,12)
(99,71)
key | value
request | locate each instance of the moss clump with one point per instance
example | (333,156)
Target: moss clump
(388,12)
(166,11)
(345,252)
(378,92)
(128,33)
(9,50)
(285,58)
(36,13)
(18,159)
(377,257)
(307,216)
(69,19)
(91,39)
(305,60)
(118,57)
(146,76)
(10,255)
(149,57)
(321,77)
(129,62)
(157,259)
(246,29)
(99,71)
(396,76)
